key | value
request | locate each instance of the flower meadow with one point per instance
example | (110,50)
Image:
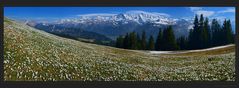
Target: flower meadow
(34,55)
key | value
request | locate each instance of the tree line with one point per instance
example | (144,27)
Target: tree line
(202,35)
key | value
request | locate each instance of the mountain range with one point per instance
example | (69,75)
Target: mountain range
(113,25)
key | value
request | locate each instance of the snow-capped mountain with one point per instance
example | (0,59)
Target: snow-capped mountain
(139,17)
(113,25)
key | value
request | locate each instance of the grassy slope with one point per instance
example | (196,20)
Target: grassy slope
(218,51)
(31,54)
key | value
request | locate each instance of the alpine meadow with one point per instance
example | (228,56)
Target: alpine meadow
(129,44)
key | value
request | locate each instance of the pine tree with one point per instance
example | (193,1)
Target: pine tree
(193,38)
(151,43)
(195,33)
(120,42)
(223,32)
(182,43)
(138,42)
(226,33)
(169,38)
(229,33)
(126,41)
(143,41)
(159,40)
(200,33)
(196,23)
(133,40)
(164,39)
(221,36)
(215,29)
(213,32)
(206,34)
(190,40)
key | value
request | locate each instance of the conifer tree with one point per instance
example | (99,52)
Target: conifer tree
(182,43)
(200,33)
(159,40)
(120,42)
(215,28)
(195,33)
(206,34)
(223,32)
(143,41)
(138,42)
(126,41)
(169,38)
(190,39)
(151,43)
(229,33)
(133,40)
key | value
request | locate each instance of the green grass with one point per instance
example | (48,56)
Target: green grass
(31,54)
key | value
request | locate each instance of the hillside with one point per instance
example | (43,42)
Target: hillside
(31,54)
(209,51)
(74,33)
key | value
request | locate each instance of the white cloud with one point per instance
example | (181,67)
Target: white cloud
(223,18)
(195,8)
(205,13)
(97,14)
(220,17)
(152,13)
(129,12)
(135,11)
(230,10)
(199,10)
(164,14)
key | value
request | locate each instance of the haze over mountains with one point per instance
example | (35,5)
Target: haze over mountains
(113,25)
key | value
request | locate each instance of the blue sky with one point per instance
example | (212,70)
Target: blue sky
(56,13)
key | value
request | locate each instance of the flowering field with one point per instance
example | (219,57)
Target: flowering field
(34,55)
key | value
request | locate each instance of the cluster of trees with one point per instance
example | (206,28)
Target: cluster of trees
(201,36)
(132,41)
(165,41)
(204,35)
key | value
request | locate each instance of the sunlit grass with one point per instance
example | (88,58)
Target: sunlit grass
(30,54)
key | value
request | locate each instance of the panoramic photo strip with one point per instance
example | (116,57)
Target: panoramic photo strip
(119,43)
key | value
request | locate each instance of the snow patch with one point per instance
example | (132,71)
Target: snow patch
(188,51)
